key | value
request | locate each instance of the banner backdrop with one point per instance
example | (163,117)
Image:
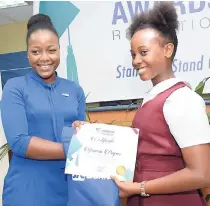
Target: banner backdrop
(96,52)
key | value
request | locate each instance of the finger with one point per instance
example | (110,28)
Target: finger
(81,123)
(76,123)
(116,180)
(113,178)
(77,129)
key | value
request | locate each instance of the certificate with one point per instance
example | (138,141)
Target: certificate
(101,150)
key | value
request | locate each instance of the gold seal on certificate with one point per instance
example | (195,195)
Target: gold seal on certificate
(101,150)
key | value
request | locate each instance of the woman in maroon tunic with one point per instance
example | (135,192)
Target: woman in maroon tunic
(173,158)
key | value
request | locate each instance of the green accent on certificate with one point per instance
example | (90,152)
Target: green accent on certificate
(101,150)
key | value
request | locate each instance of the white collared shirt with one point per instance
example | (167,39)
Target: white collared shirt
(185,114)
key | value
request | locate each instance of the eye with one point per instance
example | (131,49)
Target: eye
(133,55)
(52,50)
(35,52)
(144,52)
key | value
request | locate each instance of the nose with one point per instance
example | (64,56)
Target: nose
(44,56)
(137,61)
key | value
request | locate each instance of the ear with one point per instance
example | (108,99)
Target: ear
(169,49)
(27,54)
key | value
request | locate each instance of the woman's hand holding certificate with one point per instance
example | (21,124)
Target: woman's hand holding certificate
(101,150)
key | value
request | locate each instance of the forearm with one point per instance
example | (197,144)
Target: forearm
(180,181)
(41,149)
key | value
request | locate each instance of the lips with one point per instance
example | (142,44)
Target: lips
(141,70)
(45,67)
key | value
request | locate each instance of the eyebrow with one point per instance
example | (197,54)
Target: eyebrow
(141,46)
(35,47)
(52,45)
(138,48)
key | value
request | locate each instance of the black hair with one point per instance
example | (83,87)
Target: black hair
(163,18)
(39,21)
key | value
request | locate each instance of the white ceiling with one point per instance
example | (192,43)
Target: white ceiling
(15,14)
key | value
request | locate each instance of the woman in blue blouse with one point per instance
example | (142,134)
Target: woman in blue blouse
(35,108)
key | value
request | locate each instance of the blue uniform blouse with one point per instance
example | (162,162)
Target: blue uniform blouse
(31,107)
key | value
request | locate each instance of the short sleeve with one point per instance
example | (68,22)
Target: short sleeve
(185,114)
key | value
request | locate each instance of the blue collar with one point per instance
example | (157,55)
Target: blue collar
(32,74)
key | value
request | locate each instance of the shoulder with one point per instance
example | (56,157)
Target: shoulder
(185,114)
(16,83)
(185,99)
(13,90)
(184,104)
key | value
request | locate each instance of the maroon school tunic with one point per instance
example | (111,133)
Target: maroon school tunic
(158,154)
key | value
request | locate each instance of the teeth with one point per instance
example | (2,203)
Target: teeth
(141,71)
(138,69)
(44,67)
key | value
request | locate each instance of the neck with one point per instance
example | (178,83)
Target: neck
(51,79)
(164,76)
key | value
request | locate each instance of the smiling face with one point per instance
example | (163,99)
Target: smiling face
(44,53)
(149,56)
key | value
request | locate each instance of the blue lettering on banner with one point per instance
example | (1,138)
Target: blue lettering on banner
(134,9)
(182,66)
(137,7)
(200,8)
(124,72)
(119,13)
